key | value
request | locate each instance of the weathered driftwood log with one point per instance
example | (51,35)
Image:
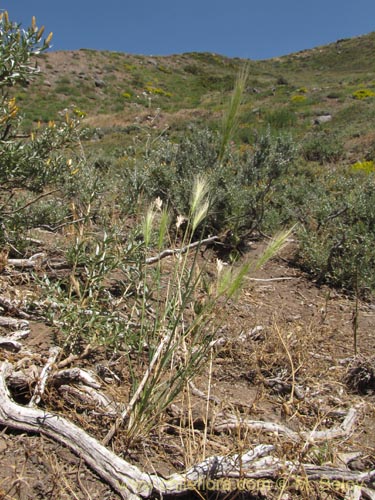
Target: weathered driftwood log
(68,376)
(131,483)
(13,322)
(9,344)
(42,379)
(281,387)
(232,422)
(30,263)
(86,389)
(74,357)
(13,307)
(124,478)
(90,397)
(18,335)
(77,375)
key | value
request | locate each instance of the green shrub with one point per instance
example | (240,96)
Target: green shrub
(281,118)
(248,184)
(242,184)
(193,69)
(282,81)
(34,162)
(338,237)
(323,148)
(213,82)
(171,168)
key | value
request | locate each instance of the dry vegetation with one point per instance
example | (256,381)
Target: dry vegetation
(282,373)
(154,341)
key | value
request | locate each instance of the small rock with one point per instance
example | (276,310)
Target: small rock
(322,119)
(359,465)
(99,83)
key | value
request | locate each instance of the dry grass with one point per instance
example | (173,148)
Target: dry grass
(289,372)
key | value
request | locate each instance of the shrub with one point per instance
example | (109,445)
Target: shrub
(36,161)
(193,69)
(298,99)
(281,118)
(164,69)
(282,81)
(171,168)
(157,315)
(79,113)
(323,148)
(363,94)
(157,91)
(364,166)
(338,237)
(250,183)
(216,82)
(242,185)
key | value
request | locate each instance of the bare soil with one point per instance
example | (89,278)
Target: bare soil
(282,326)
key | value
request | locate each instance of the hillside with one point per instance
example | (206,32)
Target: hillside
(117,92)
(187,279)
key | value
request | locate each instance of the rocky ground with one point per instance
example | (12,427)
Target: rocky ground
(285,356)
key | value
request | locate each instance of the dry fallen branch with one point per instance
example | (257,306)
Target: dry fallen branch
(74,357)
(61,377)
(12,307)
(31,202)
(14,323)
(77,375)
(85,391)
(253,334)
(18,335)
(232,422)
(281,387)
(131,483)
(180,251)
(126,479)
(266,280)
(41,384)
(90,397)
(10,344)
(200,394)
(30,263)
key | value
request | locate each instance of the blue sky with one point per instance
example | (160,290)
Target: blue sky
(238,28)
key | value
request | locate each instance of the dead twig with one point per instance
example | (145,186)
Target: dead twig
(90,397)
(30,263)
(10,345)
(231,422)
(75,357)
(11,307)
(41,384)
(75,375)
(43,195)
(13,322)
(180,251)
